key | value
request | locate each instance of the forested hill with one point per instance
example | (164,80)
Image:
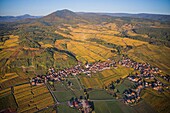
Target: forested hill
(158,17)
(31,42)
(65,12)
(17,18)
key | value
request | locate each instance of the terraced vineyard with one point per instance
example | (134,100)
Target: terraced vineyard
(5,92)
(91,52)
(7,100)
(14,78)
(92,82)
(8,76)
(32,98)
(105,77)
(71,42)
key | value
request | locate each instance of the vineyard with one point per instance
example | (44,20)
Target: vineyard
(91,51)
(32,98)
(5,92)
(119,72)
(92,82)
(155,55)
(107,32)
(105,77)
(62,48)
(10,79)
(8,76)
(11,42)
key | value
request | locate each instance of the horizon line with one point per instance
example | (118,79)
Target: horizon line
(167,14)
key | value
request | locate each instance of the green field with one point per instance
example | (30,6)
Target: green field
(64,93)
(62,40)
(64,96)
(119,107)
(126,84)
(105,77)
(7,101)
(99,95)
(143,107)
(112,107)
(91,82)
(75,82)
(160,102)
(66,109)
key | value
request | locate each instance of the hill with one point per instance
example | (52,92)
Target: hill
(69,42)
(17,18)
(62,16)
(158,17)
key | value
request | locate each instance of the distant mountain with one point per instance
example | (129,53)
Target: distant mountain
(61,16)
(67,16)
(159,17)
(17,18)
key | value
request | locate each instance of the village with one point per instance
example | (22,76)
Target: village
(83,104)
(145,77)
(87,69)
(80,104)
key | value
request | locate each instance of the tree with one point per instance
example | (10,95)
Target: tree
(112,86)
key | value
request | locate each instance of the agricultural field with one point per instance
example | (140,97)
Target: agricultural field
(100,95)
(91,52)
(63,60)
(8,76)
(112,106)
(85,32)
(45,45)
(158,56)
(119,72)
(32,98)
(14,79)
(154,99)
(7,101)
(124,85)
(11,42)
(131,33)
(105,77)
(4,92)
(64,96)
(62,41)
(143,107)
(119,107)
(64,93)
(66,109)
(92,82)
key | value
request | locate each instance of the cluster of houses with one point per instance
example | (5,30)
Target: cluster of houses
(38,80)
(144,79)
(131,96)
(99,66)
(165,77)
(78,69)
(80,104)
(144,68)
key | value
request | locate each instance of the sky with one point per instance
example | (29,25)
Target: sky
(45,7)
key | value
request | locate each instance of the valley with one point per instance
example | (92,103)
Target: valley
(82,62)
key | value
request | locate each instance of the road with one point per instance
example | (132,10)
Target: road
(56,101)
(78,82)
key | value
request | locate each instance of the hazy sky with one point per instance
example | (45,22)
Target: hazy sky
(44,7)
